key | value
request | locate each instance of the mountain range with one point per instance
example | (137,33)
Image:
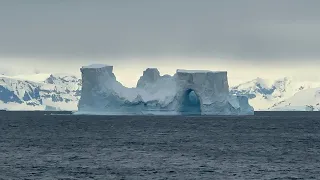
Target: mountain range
(39,92)
(62,92)
(288,93)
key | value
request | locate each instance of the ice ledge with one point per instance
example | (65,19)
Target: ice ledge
(197,71)
(95,66)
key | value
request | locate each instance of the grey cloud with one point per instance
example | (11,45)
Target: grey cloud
(246,29)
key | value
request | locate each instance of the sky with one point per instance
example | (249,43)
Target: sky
(248,38)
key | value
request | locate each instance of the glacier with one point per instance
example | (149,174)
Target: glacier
(197,92)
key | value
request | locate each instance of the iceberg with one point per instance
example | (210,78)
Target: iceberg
(187,92)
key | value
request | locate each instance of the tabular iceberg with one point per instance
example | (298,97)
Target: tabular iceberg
(187,92)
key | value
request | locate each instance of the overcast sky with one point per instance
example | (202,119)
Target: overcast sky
(217,34)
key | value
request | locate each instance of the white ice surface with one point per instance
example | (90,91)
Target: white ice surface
(196,71)
(94,66)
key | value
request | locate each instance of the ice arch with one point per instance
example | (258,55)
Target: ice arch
(190,103)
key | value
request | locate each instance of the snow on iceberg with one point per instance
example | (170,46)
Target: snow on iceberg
(187,92)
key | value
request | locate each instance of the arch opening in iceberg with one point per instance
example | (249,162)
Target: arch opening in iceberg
(190,103)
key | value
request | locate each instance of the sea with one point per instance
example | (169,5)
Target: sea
(57,145)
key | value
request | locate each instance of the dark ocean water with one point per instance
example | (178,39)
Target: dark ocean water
(269,145)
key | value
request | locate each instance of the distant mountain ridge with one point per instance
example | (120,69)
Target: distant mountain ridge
(46,92)
(304,100)
(267,94)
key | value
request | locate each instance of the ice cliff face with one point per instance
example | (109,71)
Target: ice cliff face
(210,87)
(100,89)
(187,92)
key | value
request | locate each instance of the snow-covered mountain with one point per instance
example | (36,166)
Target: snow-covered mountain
(267,94)
(39,92)
(304,100)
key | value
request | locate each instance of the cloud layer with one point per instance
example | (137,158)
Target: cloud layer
(246,30)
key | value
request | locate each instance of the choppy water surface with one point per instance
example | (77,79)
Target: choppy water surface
(265,146)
